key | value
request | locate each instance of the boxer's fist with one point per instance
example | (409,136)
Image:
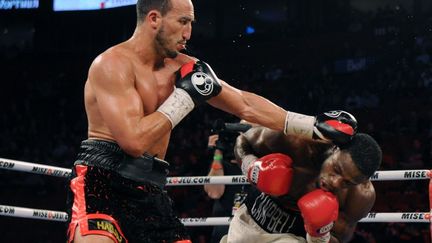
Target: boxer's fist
(336,126)
(195,83)
(319,210)
(198,80)
(271,174)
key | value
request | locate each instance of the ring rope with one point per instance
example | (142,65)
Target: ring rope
(12,211)
(16,165)
(43,214)
(23,166)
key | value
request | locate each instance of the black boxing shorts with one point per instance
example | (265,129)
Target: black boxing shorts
(115,195)
(272,217)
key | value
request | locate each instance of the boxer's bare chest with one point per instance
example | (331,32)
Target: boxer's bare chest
(154,86)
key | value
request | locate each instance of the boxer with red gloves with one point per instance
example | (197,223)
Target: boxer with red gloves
(305,190)
(336,126)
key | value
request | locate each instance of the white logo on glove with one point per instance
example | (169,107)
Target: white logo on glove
(326,228)
(255,172)
(334,114)
(203,83)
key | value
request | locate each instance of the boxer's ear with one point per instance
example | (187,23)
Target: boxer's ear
(154,18)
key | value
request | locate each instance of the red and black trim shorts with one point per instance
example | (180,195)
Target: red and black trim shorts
(103,202)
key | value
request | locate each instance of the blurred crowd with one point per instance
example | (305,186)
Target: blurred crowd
(379,69)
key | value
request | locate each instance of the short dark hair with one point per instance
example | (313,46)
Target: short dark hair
(145,6)
(365,152)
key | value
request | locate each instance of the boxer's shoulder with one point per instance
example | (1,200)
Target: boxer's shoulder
(181,59)
(359,200)
(112,63)
(116,55)
(365,191)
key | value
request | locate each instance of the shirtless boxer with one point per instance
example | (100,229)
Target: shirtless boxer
(303,188)
(135,94)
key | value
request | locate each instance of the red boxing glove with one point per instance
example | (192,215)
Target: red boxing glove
(319,209)
(272,174)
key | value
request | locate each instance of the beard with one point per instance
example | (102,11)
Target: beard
(162,42)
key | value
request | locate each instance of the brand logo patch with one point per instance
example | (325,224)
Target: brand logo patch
(333,114)
(203,83)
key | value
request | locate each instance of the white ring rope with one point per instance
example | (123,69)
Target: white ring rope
(406,217)
(16,165)
(200,180)
(12,211)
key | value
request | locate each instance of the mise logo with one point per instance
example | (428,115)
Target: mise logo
(239,179)
(415,216)
(52,172)
(415,174)
(50,215)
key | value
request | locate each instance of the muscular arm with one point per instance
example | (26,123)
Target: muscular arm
(250,107)
(256,109)
(112,80)
(359,203)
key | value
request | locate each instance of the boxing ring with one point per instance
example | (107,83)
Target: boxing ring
(372,217)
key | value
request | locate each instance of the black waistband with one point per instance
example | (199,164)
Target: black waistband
(109,155)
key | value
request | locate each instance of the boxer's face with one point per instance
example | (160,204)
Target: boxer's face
(163,44)
(339,171)
(176,28)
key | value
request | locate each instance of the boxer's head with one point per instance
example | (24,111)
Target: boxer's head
(143,7)
(171,21)
(365,152)
(351,164)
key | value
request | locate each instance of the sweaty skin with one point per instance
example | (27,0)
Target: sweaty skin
(121,104)
(129,81)
(316,165)
(131,114)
